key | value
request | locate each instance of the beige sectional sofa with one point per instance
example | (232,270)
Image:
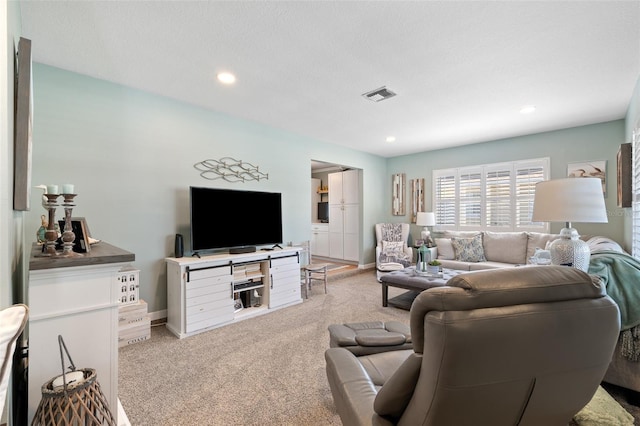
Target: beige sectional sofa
(510,249)
(500,249)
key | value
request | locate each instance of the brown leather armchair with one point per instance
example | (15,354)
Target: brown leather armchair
(516,346)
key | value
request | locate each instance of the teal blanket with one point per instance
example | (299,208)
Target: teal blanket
(620,274)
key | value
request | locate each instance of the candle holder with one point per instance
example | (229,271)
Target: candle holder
(68,236)
(51,235)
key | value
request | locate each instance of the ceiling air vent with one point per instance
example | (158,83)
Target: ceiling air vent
(379,94)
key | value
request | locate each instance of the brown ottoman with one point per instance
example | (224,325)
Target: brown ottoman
(365,338)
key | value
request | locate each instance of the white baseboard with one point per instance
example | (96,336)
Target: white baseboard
(123,420)
(158,315)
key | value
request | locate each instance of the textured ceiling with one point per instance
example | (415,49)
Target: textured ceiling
(461,70)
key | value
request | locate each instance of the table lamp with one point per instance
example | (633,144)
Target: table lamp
(569,200)
(426,219)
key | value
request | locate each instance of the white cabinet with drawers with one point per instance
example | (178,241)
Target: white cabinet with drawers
(320,239)
(211,291)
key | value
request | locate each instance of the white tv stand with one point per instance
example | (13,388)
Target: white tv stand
(203,293)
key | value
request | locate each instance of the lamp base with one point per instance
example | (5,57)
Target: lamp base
(570,250)
(426,237)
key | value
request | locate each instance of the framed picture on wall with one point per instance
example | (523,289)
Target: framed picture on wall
(589,169)
(623,175)
(417,198)
(23,127)
(397,194)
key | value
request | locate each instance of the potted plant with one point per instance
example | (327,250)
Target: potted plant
(433,267)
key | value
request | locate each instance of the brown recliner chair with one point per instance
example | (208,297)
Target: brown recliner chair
(517,346)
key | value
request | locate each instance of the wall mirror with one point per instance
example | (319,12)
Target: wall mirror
(397,194)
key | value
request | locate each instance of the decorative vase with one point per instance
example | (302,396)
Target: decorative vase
(421,262)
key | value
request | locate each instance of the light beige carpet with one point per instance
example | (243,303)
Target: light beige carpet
(268,370)
(603,410)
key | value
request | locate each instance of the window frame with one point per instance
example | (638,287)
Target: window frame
(449,201)
(635,192)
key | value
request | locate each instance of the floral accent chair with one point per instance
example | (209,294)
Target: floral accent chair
(392,251)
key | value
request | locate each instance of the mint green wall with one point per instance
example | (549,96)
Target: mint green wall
(587,143)
(131,156)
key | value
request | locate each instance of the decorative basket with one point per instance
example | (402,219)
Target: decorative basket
(78,403)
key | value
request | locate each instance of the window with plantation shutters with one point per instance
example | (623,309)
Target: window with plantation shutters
(445,193)
(470,199)
(496,197)
(527,176)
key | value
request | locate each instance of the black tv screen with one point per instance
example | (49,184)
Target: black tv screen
(225,218)
(323,211)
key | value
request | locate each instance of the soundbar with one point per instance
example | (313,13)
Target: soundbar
(239,250)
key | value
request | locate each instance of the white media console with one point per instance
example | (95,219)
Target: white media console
(212,291)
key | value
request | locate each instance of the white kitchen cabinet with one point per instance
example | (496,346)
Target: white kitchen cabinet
(320,239)
(344,215)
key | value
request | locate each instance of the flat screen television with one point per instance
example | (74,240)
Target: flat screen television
(233,219)
(323,211)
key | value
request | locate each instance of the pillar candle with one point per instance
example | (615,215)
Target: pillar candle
(67,188)
(52,189)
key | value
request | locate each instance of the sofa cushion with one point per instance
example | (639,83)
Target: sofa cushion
(469,249)
(505,247)
(481,266)
(445,249)
(537,240)
(461,234)
(456,264)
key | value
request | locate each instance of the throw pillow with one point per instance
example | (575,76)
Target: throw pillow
(394,252)
(392,248)
(468,249)
(445,249)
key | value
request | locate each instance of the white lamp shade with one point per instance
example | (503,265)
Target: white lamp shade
(425,219)
(569,200)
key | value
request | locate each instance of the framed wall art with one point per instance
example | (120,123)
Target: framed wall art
(588,169)
(417,198)
(397,194)
(623,175)
(22,128)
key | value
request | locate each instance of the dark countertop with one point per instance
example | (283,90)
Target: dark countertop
(101,253)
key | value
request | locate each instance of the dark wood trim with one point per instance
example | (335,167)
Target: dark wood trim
(101,253)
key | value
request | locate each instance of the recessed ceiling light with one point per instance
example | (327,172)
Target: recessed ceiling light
(528,109)
(226,78)
(391,139)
